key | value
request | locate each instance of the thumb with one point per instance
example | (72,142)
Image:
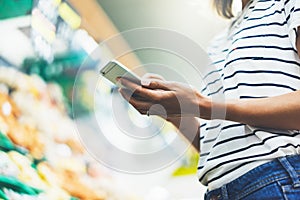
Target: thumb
(155,84)
(153,76)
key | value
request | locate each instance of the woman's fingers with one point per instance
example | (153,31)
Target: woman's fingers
(141,106)
(151,95)
(155,84)
(128,84)
(153,76)
(148,83)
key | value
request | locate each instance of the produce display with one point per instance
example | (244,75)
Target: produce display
(41,156)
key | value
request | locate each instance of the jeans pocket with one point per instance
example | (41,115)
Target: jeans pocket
(270,191)
(289,191)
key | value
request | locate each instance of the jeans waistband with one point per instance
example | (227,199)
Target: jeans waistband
(280,168)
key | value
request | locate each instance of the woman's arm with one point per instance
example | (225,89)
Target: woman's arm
(281,112)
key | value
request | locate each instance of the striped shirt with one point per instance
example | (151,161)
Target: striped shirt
(254,58)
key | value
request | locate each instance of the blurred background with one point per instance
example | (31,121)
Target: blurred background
(42,45)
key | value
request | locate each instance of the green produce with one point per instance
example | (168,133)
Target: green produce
(17,186)
(3,196)
(7,145)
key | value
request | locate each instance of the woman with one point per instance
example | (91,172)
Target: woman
(254,152)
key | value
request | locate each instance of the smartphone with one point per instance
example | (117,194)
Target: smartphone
(115,69)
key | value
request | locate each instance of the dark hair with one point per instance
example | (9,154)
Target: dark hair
(224,8)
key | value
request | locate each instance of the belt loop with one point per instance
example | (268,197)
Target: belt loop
(206,195)
(224,192)
(290,170)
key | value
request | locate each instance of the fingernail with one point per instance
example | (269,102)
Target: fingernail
(145,82)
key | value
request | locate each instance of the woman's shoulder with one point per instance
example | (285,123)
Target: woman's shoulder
(218,39)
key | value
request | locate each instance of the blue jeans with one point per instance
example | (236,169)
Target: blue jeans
(275,180)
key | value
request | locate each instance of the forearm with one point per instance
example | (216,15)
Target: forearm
(189,128)
(281,112)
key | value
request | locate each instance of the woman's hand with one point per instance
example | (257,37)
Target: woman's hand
(187,126)
(156,96)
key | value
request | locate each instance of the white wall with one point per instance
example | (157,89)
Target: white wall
(194,18)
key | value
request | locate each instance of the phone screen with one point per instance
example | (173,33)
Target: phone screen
(115,69)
